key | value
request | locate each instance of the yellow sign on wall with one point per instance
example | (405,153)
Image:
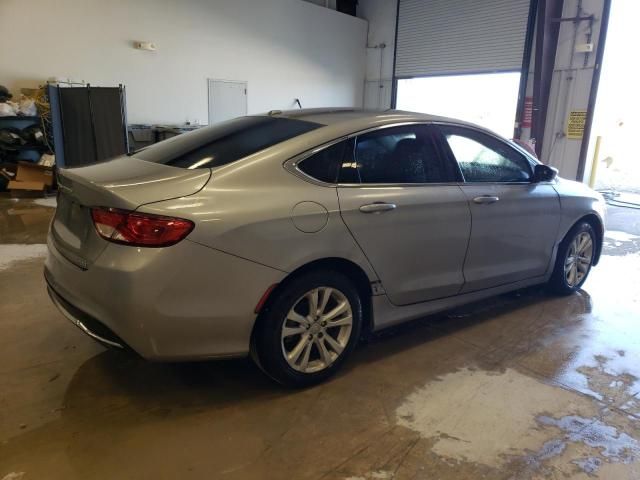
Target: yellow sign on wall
(575,124)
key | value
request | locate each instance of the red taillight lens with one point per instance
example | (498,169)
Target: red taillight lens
(139,229)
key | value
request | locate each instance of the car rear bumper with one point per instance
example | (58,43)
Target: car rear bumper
(183,302)
(83,321)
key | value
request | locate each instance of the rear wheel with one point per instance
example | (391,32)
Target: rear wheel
(309,329)
(574,259)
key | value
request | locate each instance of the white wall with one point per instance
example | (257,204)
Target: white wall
(285,49)
(381,15)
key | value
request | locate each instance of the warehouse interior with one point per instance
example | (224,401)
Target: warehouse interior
(523,385)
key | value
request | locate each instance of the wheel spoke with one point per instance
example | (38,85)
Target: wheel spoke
(580,242)
(584,263)
(312,297)
(341,322)
(289,331)
(304,362)
(586,243)
(335,346)
(326,295)
(297,350)
(324,353)
(570,275)
(341,308)
(297,318)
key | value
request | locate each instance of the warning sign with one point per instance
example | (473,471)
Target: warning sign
(527,115)
(575,124)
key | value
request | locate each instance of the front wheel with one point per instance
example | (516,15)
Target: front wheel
(309,329)
(574,259)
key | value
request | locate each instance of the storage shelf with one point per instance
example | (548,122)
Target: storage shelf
(19,148)
(13,118)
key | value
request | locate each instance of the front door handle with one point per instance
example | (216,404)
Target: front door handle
(484,199)
(377,207)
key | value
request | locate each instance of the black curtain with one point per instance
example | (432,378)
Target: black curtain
(93,124)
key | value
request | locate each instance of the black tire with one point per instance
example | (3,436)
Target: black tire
(267,348)
(558,282)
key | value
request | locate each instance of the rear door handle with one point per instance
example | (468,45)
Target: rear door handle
(484,199)
(377,207)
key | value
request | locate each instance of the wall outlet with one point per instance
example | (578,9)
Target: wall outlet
(149,46)
(584,48)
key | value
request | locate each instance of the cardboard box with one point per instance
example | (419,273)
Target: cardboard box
(26,189)
(30,172)
(32,185)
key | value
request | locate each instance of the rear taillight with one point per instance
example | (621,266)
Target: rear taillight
(139,229)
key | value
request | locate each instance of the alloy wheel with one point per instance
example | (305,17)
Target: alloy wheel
(317,329)
(578,260)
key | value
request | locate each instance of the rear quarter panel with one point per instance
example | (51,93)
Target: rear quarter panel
(257,210)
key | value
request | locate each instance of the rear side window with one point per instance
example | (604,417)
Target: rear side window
(225,142)
(407,154)
(323,165)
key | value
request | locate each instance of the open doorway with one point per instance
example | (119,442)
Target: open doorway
(488,99)
(617,120)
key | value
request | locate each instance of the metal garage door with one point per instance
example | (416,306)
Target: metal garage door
(448,37)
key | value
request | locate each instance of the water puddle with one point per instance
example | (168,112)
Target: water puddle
(25,220)
(620,236)
(501,420)
(606,439)
(10,254)
(376,475)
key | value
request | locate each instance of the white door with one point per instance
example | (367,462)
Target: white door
(227,100)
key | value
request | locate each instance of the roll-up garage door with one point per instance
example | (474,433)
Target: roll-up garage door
(449,37)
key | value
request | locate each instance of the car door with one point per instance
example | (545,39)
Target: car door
(400,199)
(514,220)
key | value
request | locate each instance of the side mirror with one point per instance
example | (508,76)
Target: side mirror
(544,173)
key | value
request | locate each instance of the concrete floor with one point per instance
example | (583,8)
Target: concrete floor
(524,386)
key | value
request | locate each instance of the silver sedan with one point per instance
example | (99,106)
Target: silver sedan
(289,235)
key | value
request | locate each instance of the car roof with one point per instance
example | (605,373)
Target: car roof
(333,116)
(345,121)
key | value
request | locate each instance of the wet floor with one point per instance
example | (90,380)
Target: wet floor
(522,386)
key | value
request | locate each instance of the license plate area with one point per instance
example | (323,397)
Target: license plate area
(71,223)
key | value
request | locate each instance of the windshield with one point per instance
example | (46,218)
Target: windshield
(225,142)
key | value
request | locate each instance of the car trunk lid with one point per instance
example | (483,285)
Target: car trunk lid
(124,183)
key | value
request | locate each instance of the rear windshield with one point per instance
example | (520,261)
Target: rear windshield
(225,142)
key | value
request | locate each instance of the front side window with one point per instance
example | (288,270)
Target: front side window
(403,155)
(483,158)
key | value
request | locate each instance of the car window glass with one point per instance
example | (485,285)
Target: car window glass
(485,159)
(224,142)
(405,154)
(323,165)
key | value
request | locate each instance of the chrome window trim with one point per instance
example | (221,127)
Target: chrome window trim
(291,165)
(531,161)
